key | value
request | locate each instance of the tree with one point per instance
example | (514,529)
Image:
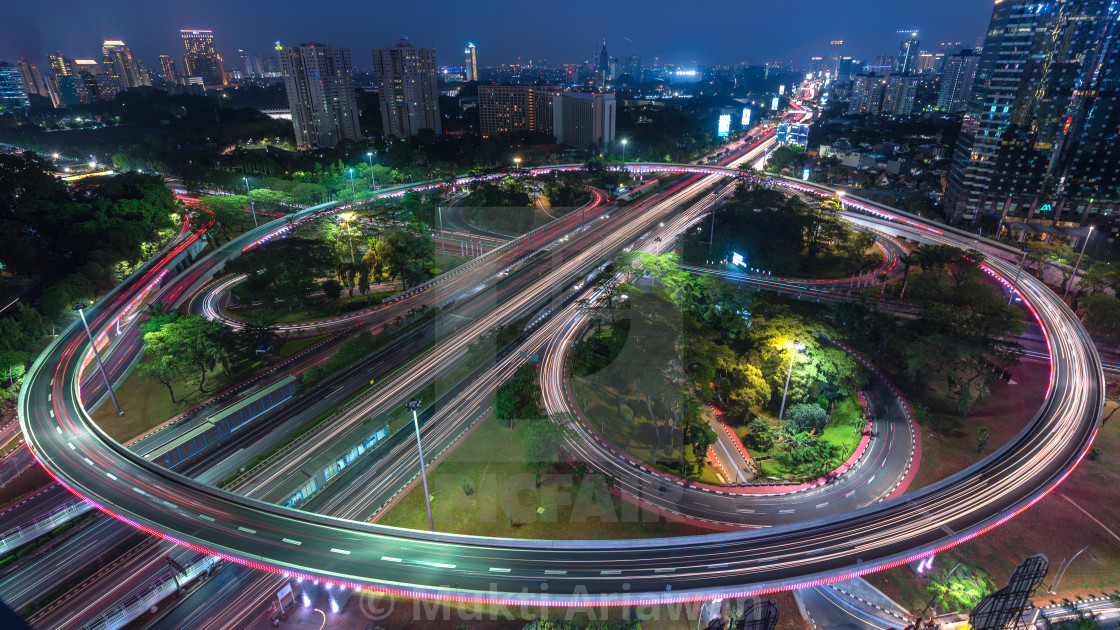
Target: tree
(1101,314)
(163,369)
(191,345)
(959,591)
(518,397)
(259,332)
(761,436)
(55,301)
(13,365)
(332,289)
(158,317)
(805,417)
(544,441)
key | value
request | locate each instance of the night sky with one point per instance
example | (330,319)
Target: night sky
(706,31)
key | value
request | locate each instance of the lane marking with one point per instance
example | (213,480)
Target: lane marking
(205,518)
(391,559)
(745,511)
(441,565)
(110,475)
(821,505)
(609,572)
(291,542)
(52,415)
(246,530)
(717,566)
(341,551)
(555,572)
(139,491)
(663,570)
(497,570)
(849,494)
(786,511)
(71,445)
(88,460)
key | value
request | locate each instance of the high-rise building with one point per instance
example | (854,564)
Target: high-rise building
(867,94)
(834,57)
(406,81)
(319,80)
(898,94)
(68,89)
(251,65)
(844,70)
(1039,140)
(203,60)
(117,61)
(470,64)
(13,94)
(513,108)
(927,63)
(106,86)
(634,67)
(33,79)
(603,67)
(907,60)
(169,70)
(957,81)
(584,119)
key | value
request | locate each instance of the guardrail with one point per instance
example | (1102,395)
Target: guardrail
(44,524)
(166,584)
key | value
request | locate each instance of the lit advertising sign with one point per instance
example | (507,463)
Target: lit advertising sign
(724,125)
(746,117)
(774,105)
(737,260)
(805,175)
(781,90)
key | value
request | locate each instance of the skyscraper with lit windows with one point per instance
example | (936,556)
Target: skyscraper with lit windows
(406,81)
(203,60)
(13,95)
(319,80)
(470,63)
(117,61)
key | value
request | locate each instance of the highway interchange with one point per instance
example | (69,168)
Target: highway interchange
(735,563)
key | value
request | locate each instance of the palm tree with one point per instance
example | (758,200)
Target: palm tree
(259,331)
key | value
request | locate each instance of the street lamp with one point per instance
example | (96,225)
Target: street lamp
(346,218)
(624,141)
(413,405)
(1078,265)
(795,348)
(516,164)
(352,191)
(252,208)
(372,181)
(100,365)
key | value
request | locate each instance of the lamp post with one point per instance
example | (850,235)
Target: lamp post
(372,181)
(1062,574)
(517,164)
(624,141)
(413,405)
(794,349)
(100,365)
(252,208)
(439,209)
(1078,265)
(352,190)
(346,218)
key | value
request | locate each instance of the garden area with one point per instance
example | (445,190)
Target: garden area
(651,359)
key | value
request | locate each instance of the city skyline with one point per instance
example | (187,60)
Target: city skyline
(868,28)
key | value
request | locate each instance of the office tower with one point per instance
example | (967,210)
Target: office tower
(406,80)
(513,108)
(899,91)
(602,68)
(319,80)
(867,94)
(927,63)
(68,89)
(907,60)
(117,61)
(271,66)
(142,73)
(634,67)
(169,70)
(957,80)
(13,94)
(203,60)
(33,79)
(90,66)
(470,64)
(106,86)
(251,65)
(843,74)
(1038,141)
(884,66)
(834,57)
(584,120)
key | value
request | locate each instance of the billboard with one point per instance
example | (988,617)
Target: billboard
(774,105)
(746,117)
(781,90)
(724,125)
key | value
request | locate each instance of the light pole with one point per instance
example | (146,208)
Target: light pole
(413,405)
(252,208)
(1018,272)
(372,181)
(794,349)
(352,190)
(346,218)
(517,164)
(1078,265)
(100,365)
(439,209)
(624,141)
(1062,574)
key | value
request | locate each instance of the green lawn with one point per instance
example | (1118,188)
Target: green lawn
(844,429)
(487,488)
